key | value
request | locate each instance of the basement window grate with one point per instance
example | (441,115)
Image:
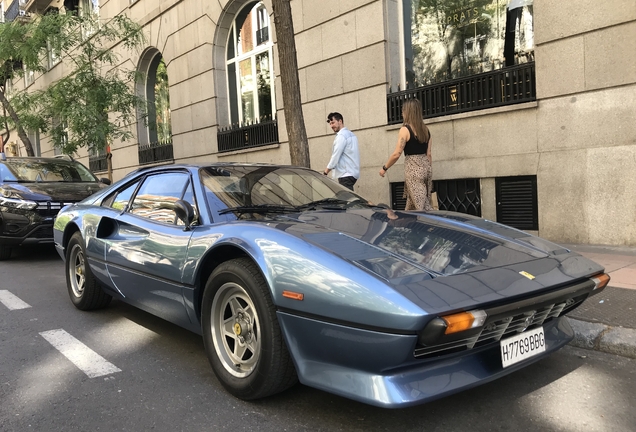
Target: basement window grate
(517,202)
(458,195)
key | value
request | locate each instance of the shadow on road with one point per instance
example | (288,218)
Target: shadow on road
(166,382)
(44,252)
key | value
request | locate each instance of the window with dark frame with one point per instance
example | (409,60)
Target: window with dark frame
(250,80)
(448,39)
(98,160)
(34,137)
(155,132)
(467,55)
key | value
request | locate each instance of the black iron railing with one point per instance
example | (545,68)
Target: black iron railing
(458,195)
(262,35)
(155,152)
(248,136)
(98,163)
(511,85)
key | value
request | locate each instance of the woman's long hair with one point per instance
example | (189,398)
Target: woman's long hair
(412,113)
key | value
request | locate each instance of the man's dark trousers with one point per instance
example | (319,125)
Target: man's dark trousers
(348,181)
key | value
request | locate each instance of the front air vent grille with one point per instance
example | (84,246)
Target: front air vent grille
(501,327)
(50,208)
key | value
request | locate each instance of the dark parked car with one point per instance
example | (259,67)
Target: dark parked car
(289,276)
(32,191)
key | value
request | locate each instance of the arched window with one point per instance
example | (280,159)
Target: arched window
(156,132)
(249,63)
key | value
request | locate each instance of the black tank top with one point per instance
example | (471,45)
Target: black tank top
(413,145)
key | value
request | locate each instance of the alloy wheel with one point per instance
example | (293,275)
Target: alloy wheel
(236,330)
(77,271)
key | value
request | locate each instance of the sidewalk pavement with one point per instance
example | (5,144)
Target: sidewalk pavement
(607,321)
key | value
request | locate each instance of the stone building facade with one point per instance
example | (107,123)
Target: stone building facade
(531,104)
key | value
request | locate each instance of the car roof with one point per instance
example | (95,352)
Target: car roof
(197,165)
(61,160)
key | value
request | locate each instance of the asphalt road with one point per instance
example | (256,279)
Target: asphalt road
(163,380)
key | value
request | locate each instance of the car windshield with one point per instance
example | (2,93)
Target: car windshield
(28,171)
(279,189)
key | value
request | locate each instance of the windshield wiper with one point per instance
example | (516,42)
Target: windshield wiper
(333,204)
(259,208)
(325,203)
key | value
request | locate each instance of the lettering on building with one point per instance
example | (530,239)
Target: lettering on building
(461,17)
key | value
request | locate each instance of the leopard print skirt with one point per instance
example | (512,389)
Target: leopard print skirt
(418,182)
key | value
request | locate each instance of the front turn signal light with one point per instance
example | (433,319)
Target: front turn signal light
(463,321)
(600,281)
(293,295)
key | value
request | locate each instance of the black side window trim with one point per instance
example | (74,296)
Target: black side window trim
(108,200)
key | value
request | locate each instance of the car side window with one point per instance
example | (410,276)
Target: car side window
(157,195)
(120,199)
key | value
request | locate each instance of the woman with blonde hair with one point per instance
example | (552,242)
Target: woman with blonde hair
(414,139)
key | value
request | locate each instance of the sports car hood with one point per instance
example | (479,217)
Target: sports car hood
(442,261)
(440,245)
(54,191)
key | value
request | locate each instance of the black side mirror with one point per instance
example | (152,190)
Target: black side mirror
(105,181)
(184,212)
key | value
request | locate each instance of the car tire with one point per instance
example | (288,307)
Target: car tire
(241,334)
(5,253)
(84,290)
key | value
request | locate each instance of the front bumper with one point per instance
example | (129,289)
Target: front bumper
(24,227)
(380,369)
(37,234)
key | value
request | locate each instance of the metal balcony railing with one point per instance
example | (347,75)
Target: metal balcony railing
(262,35)
(239,137)
(511,85)
(155,152)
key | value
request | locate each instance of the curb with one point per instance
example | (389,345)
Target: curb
(601,337)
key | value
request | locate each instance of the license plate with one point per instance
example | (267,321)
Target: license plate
(522,346)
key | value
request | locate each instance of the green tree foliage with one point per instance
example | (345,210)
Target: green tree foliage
(93,102)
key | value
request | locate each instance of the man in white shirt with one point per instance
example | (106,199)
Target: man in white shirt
(345,157)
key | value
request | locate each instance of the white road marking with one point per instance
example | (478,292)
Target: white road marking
(91,363)
(11,301)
